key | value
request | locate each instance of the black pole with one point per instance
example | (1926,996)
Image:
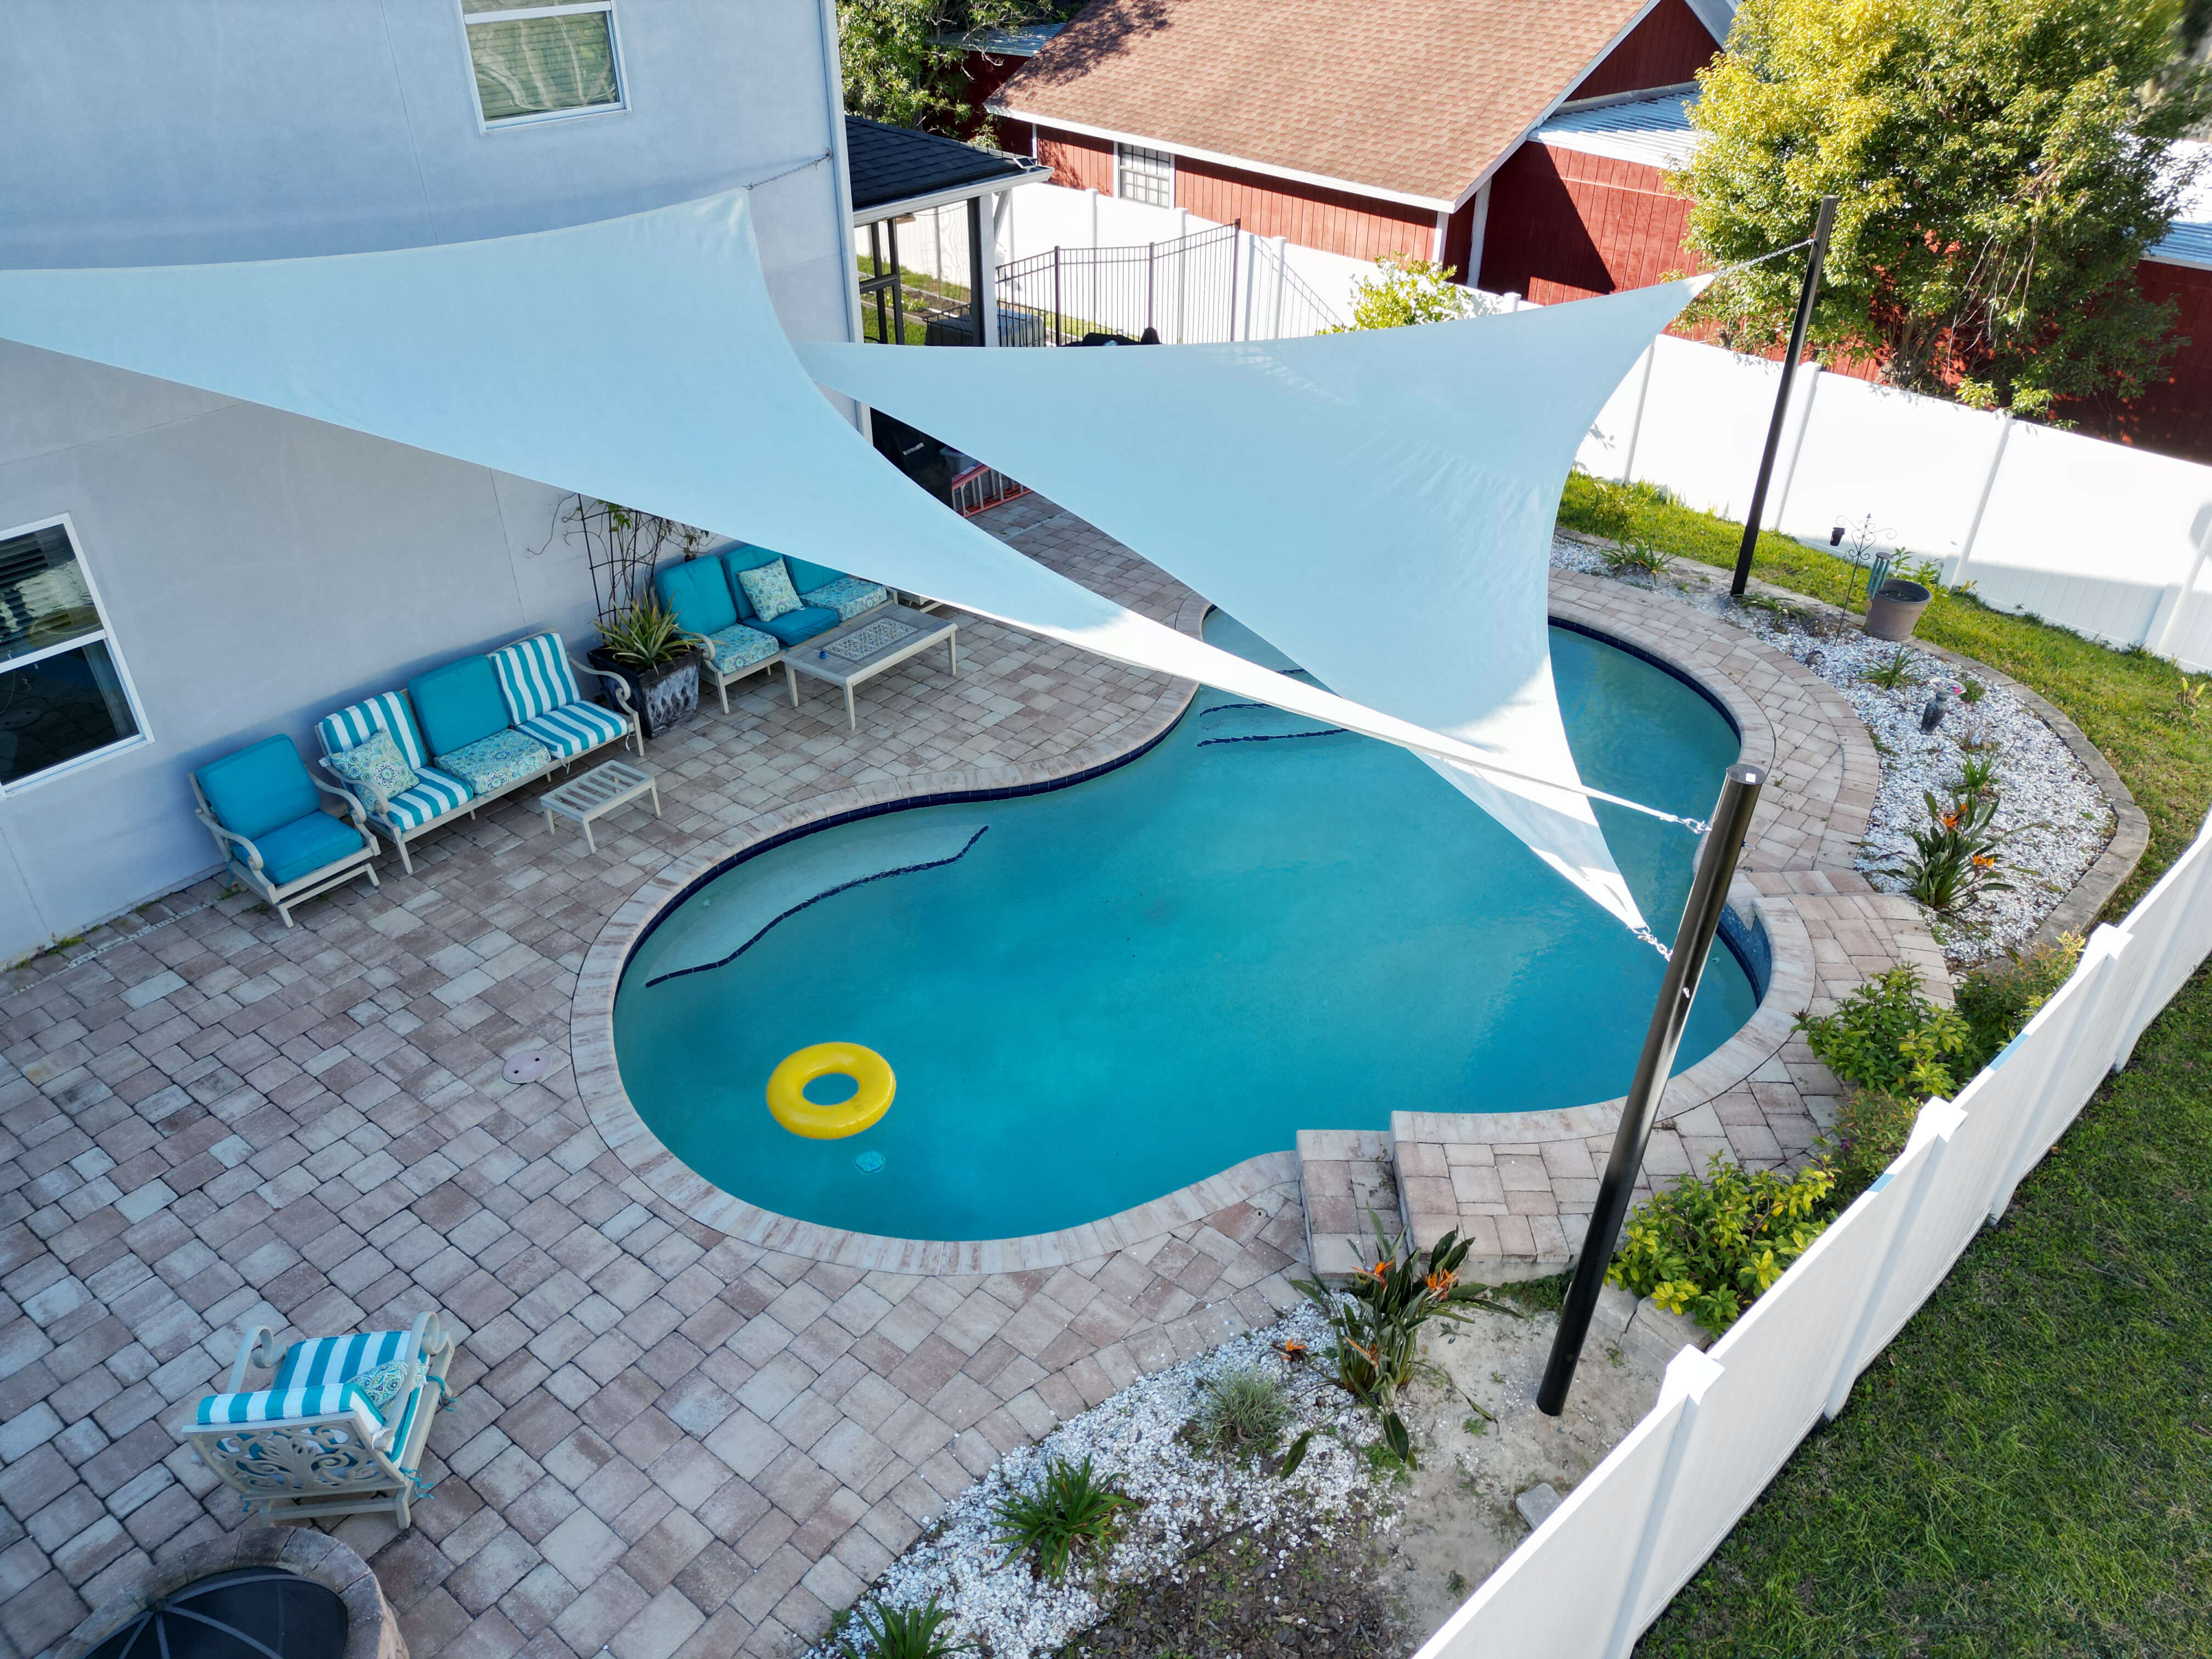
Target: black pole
(1822,224)
(1678,990)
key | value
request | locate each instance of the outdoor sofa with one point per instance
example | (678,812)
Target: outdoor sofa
(708,597)
(261,805)
(340,1428)
(468,732)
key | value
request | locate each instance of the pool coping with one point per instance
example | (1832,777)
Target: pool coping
(616,1119)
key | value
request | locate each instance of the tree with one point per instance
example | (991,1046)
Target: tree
(1405,291)
(903,57)
(2002,166)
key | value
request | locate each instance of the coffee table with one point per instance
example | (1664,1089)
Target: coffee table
(821,658)
(607,787)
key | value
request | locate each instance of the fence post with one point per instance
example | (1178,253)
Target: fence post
(2057,1079)
(2168,628)
(1938,1121)
(1812,372)
(1981,501)
(1689,1374)
(1636,423)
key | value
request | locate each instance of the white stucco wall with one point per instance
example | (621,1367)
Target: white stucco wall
(257,569)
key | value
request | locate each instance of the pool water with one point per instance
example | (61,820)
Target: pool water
(1095,995)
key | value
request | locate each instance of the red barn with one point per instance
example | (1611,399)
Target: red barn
(1357,128)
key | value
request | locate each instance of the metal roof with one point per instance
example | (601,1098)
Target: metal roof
(1023,42)
(890,167)
(1656,131)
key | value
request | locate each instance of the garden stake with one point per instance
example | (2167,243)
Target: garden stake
(1822,223)
(1678,991)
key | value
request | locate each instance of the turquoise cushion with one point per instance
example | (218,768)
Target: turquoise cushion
(699,593)
(768,589)
(741,646)
(849,596)
(305,846)
(737,560)
(490,765)
(338,1358)
(379,768)
(574,727)
(805,575)
(260,788)
(794,626)
(458,704)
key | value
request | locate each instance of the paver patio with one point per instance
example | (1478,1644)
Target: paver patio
(669,1442)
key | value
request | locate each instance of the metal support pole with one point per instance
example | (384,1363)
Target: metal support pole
(1678,991)
(1822,223)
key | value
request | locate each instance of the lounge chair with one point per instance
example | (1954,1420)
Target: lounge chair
(261,806)
(468,732)
(339,1430)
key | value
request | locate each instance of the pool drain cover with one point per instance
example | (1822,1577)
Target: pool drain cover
(870,1162)
(527,1066)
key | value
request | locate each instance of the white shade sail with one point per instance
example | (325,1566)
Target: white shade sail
(639,360)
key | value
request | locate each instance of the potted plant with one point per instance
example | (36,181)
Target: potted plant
(648,646)
(1894,611)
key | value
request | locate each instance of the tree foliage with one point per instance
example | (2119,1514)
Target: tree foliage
(2000,165)
(1403,291)
(903,57)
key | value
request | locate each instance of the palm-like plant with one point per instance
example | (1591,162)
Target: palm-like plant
(1072,1508)
(1954,859)
(647,635)
(901,1633)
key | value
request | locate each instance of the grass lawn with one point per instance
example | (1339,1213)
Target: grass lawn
(2027,1469)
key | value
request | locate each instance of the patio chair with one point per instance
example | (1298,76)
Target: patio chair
(339,1430)
(697,592)
(261,805)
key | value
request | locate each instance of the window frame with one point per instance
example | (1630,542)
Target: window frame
(469,19)
(1121,151)
(104,633)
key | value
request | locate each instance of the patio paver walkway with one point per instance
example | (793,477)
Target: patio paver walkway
(670,1442)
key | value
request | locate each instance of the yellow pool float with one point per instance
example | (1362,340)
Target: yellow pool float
(870,1099)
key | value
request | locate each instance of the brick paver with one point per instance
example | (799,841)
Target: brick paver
(669,1441)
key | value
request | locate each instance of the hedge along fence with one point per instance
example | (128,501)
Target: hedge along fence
(1608,1560)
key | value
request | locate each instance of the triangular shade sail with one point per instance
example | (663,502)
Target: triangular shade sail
(639,360)
(1378,505)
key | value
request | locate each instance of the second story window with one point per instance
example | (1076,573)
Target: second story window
(1144,175)
(534,62)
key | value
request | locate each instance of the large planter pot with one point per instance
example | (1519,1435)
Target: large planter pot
(1894,610)
(665,697)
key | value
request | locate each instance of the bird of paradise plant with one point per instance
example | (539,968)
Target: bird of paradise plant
(1377,1318)
(1955,859)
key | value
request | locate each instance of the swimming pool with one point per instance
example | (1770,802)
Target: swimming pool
(1097,994)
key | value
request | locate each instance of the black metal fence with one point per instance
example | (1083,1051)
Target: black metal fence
(1184,291)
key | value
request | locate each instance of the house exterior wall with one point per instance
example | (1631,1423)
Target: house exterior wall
(1565,225)
(258,569)
(1669,47)
(1078,161)
(2174,418)
(1333,221)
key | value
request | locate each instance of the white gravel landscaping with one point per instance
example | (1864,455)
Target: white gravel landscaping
(2062,819)
(1188,1498)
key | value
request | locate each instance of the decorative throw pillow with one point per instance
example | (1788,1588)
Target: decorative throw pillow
(770,589)
(386,1383)
(377,766)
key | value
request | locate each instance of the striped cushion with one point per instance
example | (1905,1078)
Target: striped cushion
(289,1405)
(534,676)
(433,795)
(574,727)
(338,1358)
(386,712)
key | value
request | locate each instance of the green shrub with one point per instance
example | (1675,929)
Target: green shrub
(1710,1248)
(1244,1411)
(1998,998)
(1636,558)
(1871,1128)
(890,1632)
(1072,1508)
(1887,1035)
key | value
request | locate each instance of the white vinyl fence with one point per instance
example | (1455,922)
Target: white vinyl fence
(1607,1562)
(2103,538)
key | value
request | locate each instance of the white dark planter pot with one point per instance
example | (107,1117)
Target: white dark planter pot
(1894,610)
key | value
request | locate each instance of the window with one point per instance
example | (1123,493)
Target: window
(1144,175)
(62,694)
(535,62)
